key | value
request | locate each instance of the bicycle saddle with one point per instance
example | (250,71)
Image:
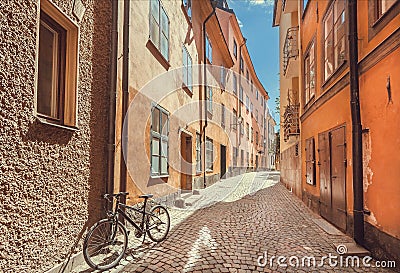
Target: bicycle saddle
(145,196)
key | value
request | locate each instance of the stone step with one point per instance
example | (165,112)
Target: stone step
(351,249)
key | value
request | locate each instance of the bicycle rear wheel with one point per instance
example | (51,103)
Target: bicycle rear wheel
(158,223)
(105,244)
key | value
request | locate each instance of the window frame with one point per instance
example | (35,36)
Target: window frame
(199,168)
(308,95)
(208,150)
(162,138)
(336,67)
(68,117)
(209,99)
(187,70)
(208,50)
(160,31)
(234,48)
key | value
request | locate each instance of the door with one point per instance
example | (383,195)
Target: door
(223,160)
(186,161)
(324,164)
(332,163)
(338,177)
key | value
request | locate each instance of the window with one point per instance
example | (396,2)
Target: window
(310,161)
(235,156)
(208,50)
(188,7)
(209,99)
(187,69)
(383,5)
(234,84)
(241,129)
(159,28)
(247,103)
(247,130)
(222,115)
(257,138)
(262,101)
(335,39)
(234,49)
(241,157)
(257,115)
(241,93)
(241,64)
(198,152)
(251,86)
(309,74)
(248,158)
(251,134)
(247,75)
(234,124)
(159,141)
(257,94)
(209,154)
(57,67)
(251,107)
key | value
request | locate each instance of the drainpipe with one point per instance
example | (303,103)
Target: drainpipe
(358,191)
(238,134)
(125,92)
(205,90)
(109,188)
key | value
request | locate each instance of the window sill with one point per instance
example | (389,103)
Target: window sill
(209,171)
(188,19)
(60,126)
(157,54)
(187,89)
(160,176)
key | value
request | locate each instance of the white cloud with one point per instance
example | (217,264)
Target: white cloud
(265,3)
(239,22)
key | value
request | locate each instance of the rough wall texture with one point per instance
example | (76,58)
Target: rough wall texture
(291,169)
(51,178)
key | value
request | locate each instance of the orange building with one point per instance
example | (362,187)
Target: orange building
(328,135)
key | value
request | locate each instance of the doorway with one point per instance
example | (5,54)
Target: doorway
(332,156)
(186,161)
(223,161)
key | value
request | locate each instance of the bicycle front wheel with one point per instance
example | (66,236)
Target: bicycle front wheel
(158,223)
(105,244)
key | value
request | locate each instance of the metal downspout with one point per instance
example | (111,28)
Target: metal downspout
(112,104)
(125,94)
(205,91)
(358,191)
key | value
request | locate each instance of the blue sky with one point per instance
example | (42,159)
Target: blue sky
(255,18)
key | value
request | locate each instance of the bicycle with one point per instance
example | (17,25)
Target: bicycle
(107,240)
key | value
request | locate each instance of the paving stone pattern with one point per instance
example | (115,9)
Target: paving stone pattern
(231,235)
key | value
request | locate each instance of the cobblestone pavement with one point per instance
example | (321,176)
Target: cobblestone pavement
(258,218)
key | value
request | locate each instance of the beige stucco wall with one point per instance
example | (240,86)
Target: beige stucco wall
(51,178)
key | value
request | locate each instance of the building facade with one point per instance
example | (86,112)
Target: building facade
(54,89)
(287,18)
(327,117)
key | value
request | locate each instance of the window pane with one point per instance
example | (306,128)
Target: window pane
(155,147)
(154,32)
(164,46)
(47,101)
(328,24)
(338,9)
(164,124)
(156,120)
(155,164)
(164,148)
(339,44)
(234,84)
(329,56)
(164,165)
(164,23)
(154,9)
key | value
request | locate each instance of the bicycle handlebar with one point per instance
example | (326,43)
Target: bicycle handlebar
(114,195)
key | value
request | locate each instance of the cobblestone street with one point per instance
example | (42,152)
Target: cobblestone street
(259,217)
